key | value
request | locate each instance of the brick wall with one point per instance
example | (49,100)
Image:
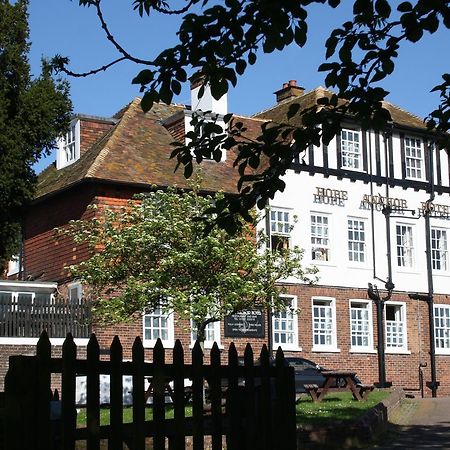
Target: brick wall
(402,370)
(176,129)
(45,256)
(91,131)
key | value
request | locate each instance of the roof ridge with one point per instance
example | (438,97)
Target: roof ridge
(386,102)
(103,153)
(288,100)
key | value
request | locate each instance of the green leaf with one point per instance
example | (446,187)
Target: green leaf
(147,101)
(143,77)
(383,8)
(300,35)
(293,110)
(188,169)
(240,66)
(323,101)
(176,87)
(405,7)
(331,45)
(227,117)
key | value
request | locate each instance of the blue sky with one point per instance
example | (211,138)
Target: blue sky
(63,27)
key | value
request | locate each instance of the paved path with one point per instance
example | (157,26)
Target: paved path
(420,424)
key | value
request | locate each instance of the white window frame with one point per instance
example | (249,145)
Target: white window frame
(65,157)
(389,324)
(405,251)
(13,266)
(280,223)
(357,326)
(169,342)
(317,324)
(213,328)
(15,297)
(76,286)
(442,329)
(351,154)
(414,158)
(439,256)
(320,248)
(286,322)
(353,242)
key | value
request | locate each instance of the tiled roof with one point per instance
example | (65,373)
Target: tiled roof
(137,148)
(277,113)
(136,151)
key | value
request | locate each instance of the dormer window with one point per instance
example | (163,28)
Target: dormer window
(69,146)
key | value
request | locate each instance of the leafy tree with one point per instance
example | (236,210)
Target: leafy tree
(154,253)
(32,114)
(220,39)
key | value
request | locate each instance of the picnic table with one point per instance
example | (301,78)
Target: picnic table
(339,381)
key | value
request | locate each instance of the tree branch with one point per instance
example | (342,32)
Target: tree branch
(173,11)
(63,69)
(111,38)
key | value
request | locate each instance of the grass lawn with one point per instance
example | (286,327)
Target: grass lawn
(335,407)
(127,415)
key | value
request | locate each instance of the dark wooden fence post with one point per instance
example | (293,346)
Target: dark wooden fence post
(197,397)
(159,387)
(116,396)
(43,392)
(17,415)
(285,404)
(179,440)
(250,411)
(138,395)
(265,407)
(233,402)
(93,394)
(216,398)
(69,413)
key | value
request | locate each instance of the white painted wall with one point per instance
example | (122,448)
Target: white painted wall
(299,197)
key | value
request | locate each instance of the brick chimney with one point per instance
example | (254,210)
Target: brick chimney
(289,90)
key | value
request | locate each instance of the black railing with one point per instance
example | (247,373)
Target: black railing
(26,317)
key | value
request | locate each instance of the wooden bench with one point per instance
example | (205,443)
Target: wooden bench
(365,390)
(312,390)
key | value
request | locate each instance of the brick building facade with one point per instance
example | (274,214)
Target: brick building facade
(338,195)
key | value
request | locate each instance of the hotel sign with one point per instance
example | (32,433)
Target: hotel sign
(329,196)
(436,210)
(379,202)
(245,324)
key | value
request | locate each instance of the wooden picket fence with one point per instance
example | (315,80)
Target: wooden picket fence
(256,411)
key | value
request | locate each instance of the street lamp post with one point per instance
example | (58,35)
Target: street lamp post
(434,384)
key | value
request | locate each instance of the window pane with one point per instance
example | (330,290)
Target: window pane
(285,324)
(350,149)
(323,322)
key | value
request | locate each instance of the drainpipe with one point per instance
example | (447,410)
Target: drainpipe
(372,290)
(434,384)
(269,309)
